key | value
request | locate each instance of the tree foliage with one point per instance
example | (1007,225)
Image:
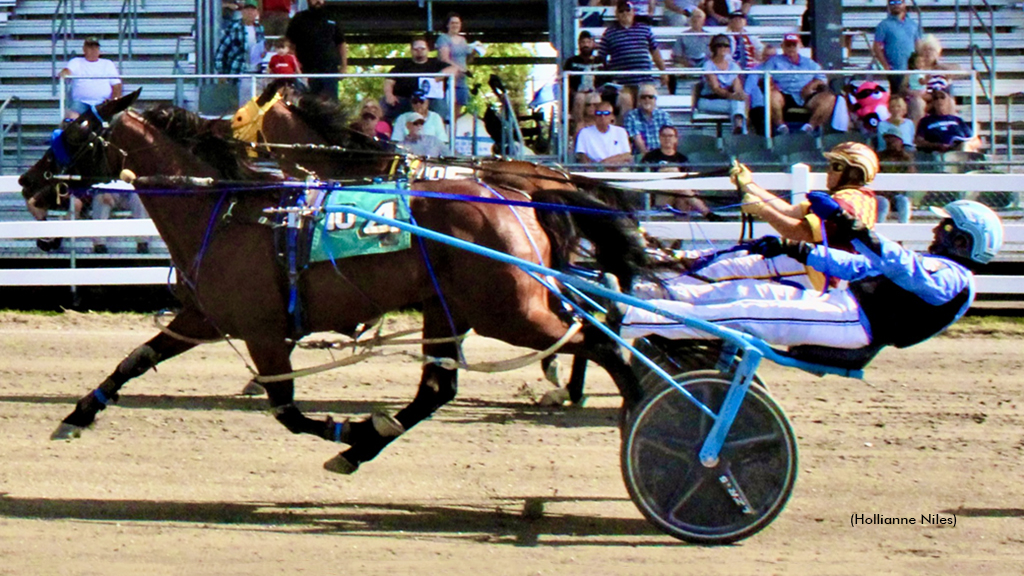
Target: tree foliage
(514,76)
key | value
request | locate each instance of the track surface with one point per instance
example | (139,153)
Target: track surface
(184,477)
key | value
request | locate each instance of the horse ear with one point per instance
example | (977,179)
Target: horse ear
(111,107)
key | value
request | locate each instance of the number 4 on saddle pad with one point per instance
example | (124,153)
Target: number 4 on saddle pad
(339,235)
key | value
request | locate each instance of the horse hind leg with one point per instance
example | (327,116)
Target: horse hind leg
(138,362)
(438,386)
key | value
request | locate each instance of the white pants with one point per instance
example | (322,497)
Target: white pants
(780,315)
(119,201)
(735,266)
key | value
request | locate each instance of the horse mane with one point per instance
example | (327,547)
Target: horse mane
(618,246)
(209,140)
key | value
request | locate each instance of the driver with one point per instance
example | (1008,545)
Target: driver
(852,166)
(895,296)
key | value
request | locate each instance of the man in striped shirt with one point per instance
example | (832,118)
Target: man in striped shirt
(629,46)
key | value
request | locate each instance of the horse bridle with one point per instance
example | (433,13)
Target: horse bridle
(96,146)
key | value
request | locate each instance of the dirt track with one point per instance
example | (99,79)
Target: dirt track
(184,477)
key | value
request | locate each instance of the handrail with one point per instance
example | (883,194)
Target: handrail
(127,27)
(989,66)
(4,130)
(63,14)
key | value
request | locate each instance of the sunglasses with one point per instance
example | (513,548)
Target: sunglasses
(837,167)
(647,96)
(603,113)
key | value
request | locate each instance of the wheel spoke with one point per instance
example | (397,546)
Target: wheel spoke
(689,486)
(670,448)
(745,446)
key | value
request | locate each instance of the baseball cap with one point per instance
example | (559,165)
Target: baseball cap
(415,117)
(92,41)
(895,2)
(419,95)
(250,4)
(737,14)
(791,38)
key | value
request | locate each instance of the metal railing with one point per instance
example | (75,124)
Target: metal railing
(62,28)
(6,128)
(127,28)
(990,65)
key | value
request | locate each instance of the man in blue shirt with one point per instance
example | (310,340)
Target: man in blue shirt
(798,90)
(629,45)
(895,40)
(895,296)
(644,123)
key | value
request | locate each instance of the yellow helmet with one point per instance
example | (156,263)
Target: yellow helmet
(857,155)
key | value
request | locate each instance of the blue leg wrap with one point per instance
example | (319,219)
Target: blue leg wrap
(100,397)
(338,427)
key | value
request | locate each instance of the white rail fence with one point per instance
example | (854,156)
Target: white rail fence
(799,182)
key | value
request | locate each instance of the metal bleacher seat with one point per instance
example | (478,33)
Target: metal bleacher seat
(740,144)
(697,143)
(828,141)
(798,142)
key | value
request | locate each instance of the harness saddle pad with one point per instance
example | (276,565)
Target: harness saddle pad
(339,235)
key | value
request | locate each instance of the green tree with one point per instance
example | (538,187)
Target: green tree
(514,76)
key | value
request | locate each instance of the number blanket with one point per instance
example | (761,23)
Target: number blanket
(338,235)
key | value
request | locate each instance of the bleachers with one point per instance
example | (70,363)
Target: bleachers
(26,61)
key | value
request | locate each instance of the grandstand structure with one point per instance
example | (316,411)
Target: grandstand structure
(161,37)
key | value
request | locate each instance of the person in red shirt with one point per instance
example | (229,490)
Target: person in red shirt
(284,62)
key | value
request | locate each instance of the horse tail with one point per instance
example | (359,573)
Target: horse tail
(617,244)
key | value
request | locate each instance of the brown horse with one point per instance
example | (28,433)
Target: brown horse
(322,124)
(230,284)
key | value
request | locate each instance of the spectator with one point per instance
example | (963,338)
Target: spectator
(691,49)
(722,89)
(230,12)
(88,85)
(603,143)
(941,130)
(668,159)
(643,9)
(899,122)
(587,118)
(371,120)
(895,39)
(284,62)
(798,90)
(241,48)
(103,203)
(583,61)
(746,49)
(415,141)
(718,11)
(629,45)
(453,49)
(319,46)
(398,91)
(275,16)
(644,123)
(894,159)
(677,12)
(433,123)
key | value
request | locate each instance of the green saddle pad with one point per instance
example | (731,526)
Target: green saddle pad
(339,235)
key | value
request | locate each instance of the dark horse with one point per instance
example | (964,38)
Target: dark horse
(230,284)
(317,122)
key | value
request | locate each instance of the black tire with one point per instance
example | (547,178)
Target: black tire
(686,500)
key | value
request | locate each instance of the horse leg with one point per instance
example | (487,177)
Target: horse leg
(273,357)
(438,386)
(159,348)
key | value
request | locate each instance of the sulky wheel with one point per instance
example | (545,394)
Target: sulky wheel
(735,499)
(651,384)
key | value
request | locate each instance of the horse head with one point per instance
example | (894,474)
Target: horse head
(79,147)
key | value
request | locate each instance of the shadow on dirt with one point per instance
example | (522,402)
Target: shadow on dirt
(499,524)
(460,411)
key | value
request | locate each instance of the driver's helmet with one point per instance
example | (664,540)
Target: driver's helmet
(857,155)
(980,223)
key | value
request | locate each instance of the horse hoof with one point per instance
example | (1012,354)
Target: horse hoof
(66,432)
(556,397)
(340,465)
(252,388)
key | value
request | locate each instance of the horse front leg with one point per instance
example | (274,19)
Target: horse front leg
(189,322)
(438,386)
